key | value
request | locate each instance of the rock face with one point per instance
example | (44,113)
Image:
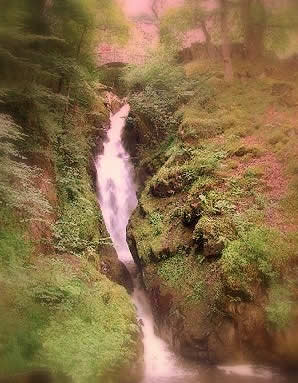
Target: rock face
(237,333)
(113,102)
(114,269)
(177,239)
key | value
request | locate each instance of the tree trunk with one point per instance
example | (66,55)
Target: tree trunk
(226,45)
(253,16)
(209,46)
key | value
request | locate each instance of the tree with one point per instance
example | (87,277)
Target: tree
(157,6)
(226,45)
(47,65)
(266,25)
(192,15)
(254,20)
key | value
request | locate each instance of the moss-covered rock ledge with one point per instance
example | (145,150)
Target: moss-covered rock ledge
(215,232)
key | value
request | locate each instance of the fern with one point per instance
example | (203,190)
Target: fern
(17,179)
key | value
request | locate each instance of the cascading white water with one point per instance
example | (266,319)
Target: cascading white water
(117,199)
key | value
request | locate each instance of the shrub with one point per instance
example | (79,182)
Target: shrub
(53,314)
(158,107)
(160,72)
(279,309)
(253,258)
(157,89)
(173,179)
(201,128)
(216,203)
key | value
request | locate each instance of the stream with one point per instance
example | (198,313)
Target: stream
(117,199)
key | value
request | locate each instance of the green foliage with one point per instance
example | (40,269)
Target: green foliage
(156,220)
(256,257)
(282,26)
(14,248)
(173,270)
(160,72)
(172,179)
(216,203)
(61,315)
(279,310)
(213,230)
(157,88)
(17,180)
(54,312)
(79,227)
(202,128)
(177,21)
(158,108)
(199,291)
(184,274)
(99,322)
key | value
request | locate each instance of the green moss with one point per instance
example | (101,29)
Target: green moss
(174,270)
(279,310)
(184,274)
(209,169)
(79,226)
(156,220)
(256,257)
(54,311)
(213,230)
(14,247)
(173,179)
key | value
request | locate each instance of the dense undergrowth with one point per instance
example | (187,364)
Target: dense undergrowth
(217,218)
(57,311)
(51,308)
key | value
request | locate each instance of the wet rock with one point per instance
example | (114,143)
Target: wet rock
(40,376)
(187,329)
(115,270)
(212,248)
(113,102)
(131,242)
(191,215)
(167,187)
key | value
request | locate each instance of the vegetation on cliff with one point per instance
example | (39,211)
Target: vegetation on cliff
(216,227)
(58,311)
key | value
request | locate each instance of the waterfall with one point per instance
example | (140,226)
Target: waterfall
(117,199)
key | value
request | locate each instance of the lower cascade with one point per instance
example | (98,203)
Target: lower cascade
(117,199)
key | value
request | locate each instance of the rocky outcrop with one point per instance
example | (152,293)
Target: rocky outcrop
(238,332)
(115,270)
(113,102)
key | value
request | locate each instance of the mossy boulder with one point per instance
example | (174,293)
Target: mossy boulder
(210,233)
